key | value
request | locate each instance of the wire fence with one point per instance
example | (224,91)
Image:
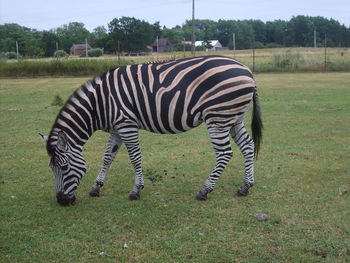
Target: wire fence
(259,60)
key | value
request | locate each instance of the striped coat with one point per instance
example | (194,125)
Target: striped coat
(167,97)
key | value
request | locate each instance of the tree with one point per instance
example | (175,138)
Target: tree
(244,34)
(133,34)
(48,43)
(276,32)
(206,38)
(9,34)
(225,30)
(259,28)
(32,46)
(99,37)
(300,31)
(73,33)
(28,40)
(175,35)
(99,31)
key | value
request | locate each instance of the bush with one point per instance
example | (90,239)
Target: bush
(60,53)
(95,52)
(3,57)
(258,45)
(200,48)
(11,55)
(57,101)
(273,45)
(289,60)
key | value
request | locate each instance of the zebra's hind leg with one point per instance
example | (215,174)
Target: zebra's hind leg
(246,145)
(221,142)
(113,145)
(130,137)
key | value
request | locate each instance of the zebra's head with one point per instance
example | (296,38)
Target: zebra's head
(68,166)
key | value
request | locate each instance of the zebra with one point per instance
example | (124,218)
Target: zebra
(161,97)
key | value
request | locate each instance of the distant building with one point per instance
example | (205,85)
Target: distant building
(216,45)
(78,49)
(186,42)
(164,45)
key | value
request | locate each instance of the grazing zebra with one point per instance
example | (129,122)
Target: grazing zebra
(163,97)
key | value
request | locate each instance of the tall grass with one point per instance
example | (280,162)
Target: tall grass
(296,61)
(64,67)
(265,60)
(288,60)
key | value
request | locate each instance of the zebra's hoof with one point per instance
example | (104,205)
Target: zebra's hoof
(201,196)
(134,196)
(242,192)
(95,192)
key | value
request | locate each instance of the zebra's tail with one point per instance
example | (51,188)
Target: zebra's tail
(256,124)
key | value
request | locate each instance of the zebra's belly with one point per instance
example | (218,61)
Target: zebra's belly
(173,130)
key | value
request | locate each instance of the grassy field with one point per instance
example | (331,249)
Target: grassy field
(302,176)
(264,60)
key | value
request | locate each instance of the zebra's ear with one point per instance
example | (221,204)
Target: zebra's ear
(62,140)
(43,137)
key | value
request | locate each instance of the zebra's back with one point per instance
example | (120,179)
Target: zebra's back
(175,96)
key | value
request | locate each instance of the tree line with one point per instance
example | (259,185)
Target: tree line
(129,34)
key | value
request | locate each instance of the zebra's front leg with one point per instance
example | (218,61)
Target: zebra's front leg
(221,143)
(246,145)
(113,145)
(131,139)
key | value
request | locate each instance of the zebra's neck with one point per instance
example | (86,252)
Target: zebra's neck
(82,115)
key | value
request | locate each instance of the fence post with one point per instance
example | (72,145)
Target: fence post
(325,52)
(253,56)
(315,45)
(86,51)
(234,44)
(17,51)
(57,59)
(184,47)
(193,32)
(118,52)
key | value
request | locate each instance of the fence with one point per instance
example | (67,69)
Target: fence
(259,60)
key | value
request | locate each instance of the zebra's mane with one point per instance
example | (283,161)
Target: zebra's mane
(160,61)
(52,138)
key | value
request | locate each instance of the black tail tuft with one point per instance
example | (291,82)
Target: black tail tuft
(257,124)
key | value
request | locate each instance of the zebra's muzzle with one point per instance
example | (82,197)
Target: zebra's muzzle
(64,199)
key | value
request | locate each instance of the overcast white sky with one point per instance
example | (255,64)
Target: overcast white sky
(48,14)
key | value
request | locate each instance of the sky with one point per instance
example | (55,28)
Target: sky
(50,14)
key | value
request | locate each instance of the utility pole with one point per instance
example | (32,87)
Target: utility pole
(315,39)
(56,51)
(184,46)
(57,58)
(86,51)
(157,44)
(17,50)
(118,46)
(57,55)
(193,34)
(325,51)
(234,43)
(254,56)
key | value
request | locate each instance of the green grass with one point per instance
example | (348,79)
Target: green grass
(303,163)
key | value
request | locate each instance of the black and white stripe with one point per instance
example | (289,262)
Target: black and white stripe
(168,97)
